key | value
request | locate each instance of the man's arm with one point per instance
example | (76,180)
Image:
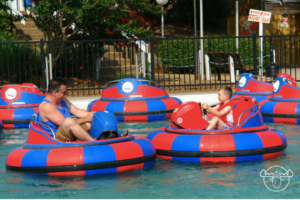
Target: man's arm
(49,112)
(82,115)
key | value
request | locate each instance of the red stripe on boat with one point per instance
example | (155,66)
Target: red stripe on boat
(217,143)
(130,167)
(127,150)
(112,93)
(99,105)
(70,173)
(15,157)
(135,106)
(147,91)
(269,139)
(59,157)
(272,155)
(286,120)
(7,114)
(38,138)
(285,107)
(164,157)
(170,104)
(8,125)
(217,159)
(164,141)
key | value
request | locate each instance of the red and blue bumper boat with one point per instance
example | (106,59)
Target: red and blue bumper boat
(18,103)
(248,85)
(110,153)
(186,139)
(133,99)
(284,104)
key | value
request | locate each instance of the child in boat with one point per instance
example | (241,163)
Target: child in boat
(223,118)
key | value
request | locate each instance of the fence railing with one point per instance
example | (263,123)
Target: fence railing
(174,63)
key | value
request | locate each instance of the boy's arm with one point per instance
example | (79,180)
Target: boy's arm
(215,108)
(224,111)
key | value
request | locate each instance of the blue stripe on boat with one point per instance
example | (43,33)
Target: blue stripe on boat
(101,153)
(153,134)
(147,147)
(101,171)
(186,143)
(115,106)
(247,158)
(35,158)
(247,141)
(186,159)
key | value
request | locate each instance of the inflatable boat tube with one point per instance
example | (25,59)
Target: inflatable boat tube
(18,103)
(284,104)
(248,139)
(43,154)
(135,100)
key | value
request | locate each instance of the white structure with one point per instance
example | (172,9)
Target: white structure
(162,3)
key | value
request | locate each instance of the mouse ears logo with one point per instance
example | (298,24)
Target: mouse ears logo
(276,178)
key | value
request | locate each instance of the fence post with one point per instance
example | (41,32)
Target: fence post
(152,57)
(43,63)
(254,54)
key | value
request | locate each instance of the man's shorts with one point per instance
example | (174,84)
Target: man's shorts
(63,136)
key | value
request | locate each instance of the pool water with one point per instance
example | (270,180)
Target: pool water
(165,179)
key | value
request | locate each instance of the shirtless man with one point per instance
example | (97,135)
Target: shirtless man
(55,111)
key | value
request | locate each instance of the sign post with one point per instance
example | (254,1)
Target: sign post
(261,17)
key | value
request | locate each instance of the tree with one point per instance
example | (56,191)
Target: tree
(94,19)
(5,20)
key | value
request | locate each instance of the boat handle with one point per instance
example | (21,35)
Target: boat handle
(33,119)
(244,112)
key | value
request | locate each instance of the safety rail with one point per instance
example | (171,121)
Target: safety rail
(34,116)
(247,110)
(257,76)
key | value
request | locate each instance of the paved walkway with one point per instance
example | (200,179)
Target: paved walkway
(209,97)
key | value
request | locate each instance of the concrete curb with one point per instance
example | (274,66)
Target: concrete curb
(208,97)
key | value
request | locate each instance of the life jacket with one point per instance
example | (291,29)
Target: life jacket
(224,117)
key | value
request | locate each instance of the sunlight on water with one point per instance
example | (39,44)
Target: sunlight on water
(166,179)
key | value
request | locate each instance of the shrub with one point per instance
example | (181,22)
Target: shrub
(19,61)
(180,52)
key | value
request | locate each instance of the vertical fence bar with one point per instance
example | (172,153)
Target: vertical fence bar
(43,62)
(254,54)
(152,57)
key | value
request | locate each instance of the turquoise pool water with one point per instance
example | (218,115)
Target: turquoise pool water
(166,179)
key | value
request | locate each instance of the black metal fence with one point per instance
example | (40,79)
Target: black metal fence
(175,63)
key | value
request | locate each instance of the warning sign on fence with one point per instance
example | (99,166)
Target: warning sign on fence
(284,22)
(259,16)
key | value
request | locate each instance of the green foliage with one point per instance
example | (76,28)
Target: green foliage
(94,19)
(6,19)
(25,59)
(180,52)
(177,52)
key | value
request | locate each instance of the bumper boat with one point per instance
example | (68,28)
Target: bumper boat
(133,99)
(284,104)
(248,85)
(18,103)
(249,139)
(110,153)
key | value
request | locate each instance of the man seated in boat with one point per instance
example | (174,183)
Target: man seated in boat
(223,118)
(55,111)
